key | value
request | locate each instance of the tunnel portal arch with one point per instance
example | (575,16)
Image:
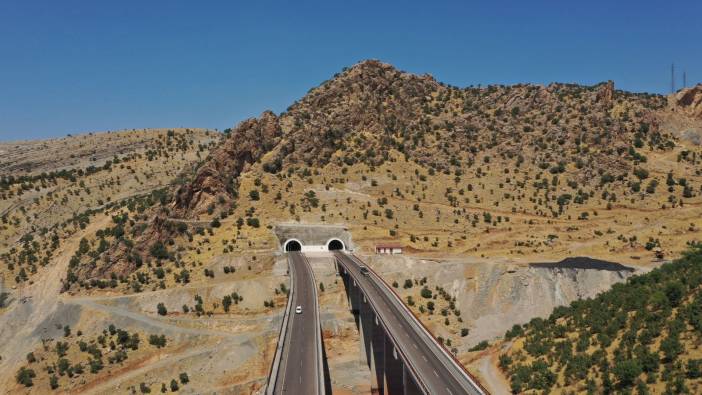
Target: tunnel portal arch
(335,244)
(292,245)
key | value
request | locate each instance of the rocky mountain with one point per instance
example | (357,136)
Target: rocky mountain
(366,111)
(397,146)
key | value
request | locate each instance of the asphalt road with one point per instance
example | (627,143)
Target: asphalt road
(434,368)
(298,370)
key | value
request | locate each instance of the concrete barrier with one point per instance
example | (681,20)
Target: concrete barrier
(273,376)
(318,335)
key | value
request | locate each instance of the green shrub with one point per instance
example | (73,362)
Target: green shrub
(161,309)
(24,376)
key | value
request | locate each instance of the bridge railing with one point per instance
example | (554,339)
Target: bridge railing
(273,375)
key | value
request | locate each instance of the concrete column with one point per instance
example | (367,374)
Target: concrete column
(347,286)
(367,316)
(356,293)
(378,355)
(408,383)
(394,367)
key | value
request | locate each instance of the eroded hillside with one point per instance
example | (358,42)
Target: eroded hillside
(642,335)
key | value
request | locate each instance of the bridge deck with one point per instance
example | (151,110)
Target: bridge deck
(436,371)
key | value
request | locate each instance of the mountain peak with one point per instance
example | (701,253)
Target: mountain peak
(372,65)
(371,69)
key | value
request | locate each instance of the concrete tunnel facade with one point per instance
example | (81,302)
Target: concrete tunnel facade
(313,238)
(332,244)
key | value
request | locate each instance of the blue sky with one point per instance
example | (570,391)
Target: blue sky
(78,66)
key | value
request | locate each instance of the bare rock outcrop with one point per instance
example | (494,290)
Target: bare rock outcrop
(689,101)
(217,177)
(605,93)
(492,297)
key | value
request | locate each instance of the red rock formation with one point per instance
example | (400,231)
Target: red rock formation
(246,144)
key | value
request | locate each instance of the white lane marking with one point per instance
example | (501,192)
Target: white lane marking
(415,346)
(425,358)
(436,374)
(449,391)
(300,379)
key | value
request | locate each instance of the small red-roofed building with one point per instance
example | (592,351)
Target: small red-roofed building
(388,248)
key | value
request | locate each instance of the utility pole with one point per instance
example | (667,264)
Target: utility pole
(684,79)
(672,78)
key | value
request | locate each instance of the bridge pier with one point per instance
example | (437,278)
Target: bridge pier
(408,384)
(379,356)
(355,295)
(345,279)
(394,368)
(368,332)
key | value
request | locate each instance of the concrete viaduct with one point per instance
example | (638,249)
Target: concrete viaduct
(403,356)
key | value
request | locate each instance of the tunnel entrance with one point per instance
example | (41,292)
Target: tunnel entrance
(293,245)
(335,244)
(312,238)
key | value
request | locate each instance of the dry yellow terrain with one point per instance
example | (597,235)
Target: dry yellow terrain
(170,231)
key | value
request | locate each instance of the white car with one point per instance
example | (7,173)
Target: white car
(298,310)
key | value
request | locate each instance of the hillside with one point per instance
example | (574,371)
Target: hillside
(644,334)
(525,172)
(51,188)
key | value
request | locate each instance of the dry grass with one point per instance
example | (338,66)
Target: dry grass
(519,229)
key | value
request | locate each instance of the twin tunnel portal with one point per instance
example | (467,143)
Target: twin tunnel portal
(293,245)
(402,355)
